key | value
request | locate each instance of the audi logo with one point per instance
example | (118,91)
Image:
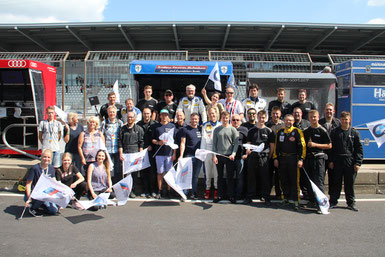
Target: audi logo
(17,63)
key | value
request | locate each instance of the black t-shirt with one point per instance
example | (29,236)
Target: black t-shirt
(284,106)
(66,178)
(104,113)
(143,103)
(248,125)
(72,145)
(317,135)
(302,125)
(242,140)
(171,108)
(305,108)
(193,140)
(257,136)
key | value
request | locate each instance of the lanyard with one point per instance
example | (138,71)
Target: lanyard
(232,107)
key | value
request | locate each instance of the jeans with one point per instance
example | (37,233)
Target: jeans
(116,174)
(197,165)
(48,207)
(238,177)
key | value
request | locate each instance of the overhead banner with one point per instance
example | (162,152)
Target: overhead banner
(179,67)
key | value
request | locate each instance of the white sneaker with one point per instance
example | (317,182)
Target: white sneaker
(34,213)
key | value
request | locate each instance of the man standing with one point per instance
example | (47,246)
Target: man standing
(168,104)
(289,153)
(302,103)
(231,105)
(346,159)
(317,140)
(300,123)
(148,101)
(165,154)
(251,119)
(131,141)
(111,101)
(110,129)
(239,156)
(253,101)
(192,104)
(179,125)
(275,123)
(131,108)
(258,162)
(281,103)
(190,142)
(148,174)
(207,143)
(50,131)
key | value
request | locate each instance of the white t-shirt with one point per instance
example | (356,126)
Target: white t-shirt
(50,131)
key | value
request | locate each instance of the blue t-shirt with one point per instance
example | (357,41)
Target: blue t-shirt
(159,130)
(193,140)
(35,172)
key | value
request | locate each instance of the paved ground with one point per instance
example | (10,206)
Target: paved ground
(161,228)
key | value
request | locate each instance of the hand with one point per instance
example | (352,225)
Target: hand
(173,157)
(121,157)
(28,201)
(161,142)
(248,151)
(232,157)
(203,91)
(331,165)
(244,157)
(149,148)
(94,195)
(356,167)
(300,164)
(310,144)
(73,185)
(215,159)
(276,163)
(84,161)
(109,190)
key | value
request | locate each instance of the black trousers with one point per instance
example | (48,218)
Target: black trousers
(149,177)
(274,179)
(80,189)
(315,168)
(230,169)
(343,169)
(258,174)
(289,175)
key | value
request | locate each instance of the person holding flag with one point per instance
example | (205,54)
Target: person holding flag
(33,176)
(131,140)
(346,159)
(165,155)
(213,103)
(317,140)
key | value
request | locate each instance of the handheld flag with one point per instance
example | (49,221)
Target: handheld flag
(123,189)
(168,137)
(48,189)
(231,81)
(202,154)
(115,88)
(170,179)
(377,129)
(322,200)
(136,161)
(62,114)
(255,148)
(184,173)
(101,200)
(216,78)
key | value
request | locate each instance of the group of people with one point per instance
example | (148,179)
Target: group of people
(297,146)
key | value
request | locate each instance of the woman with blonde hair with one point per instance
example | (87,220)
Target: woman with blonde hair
(90,141)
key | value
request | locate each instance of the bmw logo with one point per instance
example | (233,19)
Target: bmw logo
(379,130)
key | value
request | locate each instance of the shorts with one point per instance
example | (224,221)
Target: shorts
(163,164)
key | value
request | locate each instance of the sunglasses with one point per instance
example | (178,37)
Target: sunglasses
(251,113)
(235,120)
(168,95)
(229,93)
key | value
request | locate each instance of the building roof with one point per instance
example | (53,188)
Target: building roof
(314,38)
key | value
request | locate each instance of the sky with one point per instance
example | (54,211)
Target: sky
(281,11)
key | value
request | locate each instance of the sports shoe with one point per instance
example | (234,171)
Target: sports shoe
(215,194)
(143,195)
(194,197)
(247,201)
(207,194)
(296,205)
(153,195)
(157,196)
(35,213)
(132,195)
(353,207)
(217,200)
(148,196)
(332,205)
(284,202)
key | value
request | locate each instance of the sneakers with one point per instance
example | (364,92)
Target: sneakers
(147,196)
(284,202)
(332,205)
(296,205)
(153,195)
(194,197)
(157,196)
(247,201)
(34,213)
(207,194)
(215,194)
(132,195)
(217,200)
(353,207)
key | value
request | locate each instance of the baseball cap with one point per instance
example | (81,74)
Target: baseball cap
(168,91)
(164,111)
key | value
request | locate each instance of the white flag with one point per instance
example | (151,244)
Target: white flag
(48,189)
(255,148)
(123,189)
(202,154)
(101,200)
(136,161)
(170,179)
(377,129)
(216,78)
(62,114)
(168,137)
(115,88)
(322,200)
(184,173)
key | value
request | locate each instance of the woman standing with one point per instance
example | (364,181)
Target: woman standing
(90,142)
(225,142)
(213,103)
(72,131)
(69,175)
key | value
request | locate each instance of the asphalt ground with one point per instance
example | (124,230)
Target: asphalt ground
(173,228)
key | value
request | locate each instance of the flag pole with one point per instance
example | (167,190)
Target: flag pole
(157,151)
(206,82)
(25,207)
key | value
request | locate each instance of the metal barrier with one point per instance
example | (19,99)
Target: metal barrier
(340,58)
(4,136)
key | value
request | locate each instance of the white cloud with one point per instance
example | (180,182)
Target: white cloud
(377,21)
(376,2)
(28,11)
